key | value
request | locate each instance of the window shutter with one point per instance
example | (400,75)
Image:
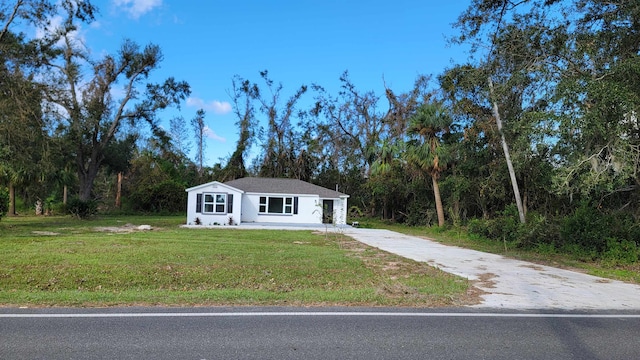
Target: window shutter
(198,203)
(229,203)
(295,205)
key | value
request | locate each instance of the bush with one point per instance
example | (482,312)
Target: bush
(620,252)
(58,208)
(609,236)
(355,212)
(420,214)
(587,233)
(586,228)
(478,227)
(4,202)
(165,197)
(538,230)
(504,227)
(82,209)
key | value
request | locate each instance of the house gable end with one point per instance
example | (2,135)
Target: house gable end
(214,184)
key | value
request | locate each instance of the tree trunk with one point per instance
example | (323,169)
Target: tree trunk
(119,191)
(65,194)
(436,195)
(507,156)
(85,190)
(12,200)
(86,179)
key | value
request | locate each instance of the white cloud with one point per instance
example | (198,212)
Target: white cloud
(137,8)
(212,135)
(218,107)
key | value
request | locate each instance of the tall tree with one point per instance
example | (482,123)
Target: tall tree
(180,135)
(355,124)
(517,36)
(426,148)
(386,180)
(22,60)
(199,129)
(35,12)
(587,52)
(599,97)
(279,148)
(243,95)
(22,124)
(22,132)
(92,116)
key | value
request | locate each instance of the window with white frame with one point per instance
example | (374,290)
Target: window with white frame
(277,205)
(214,203)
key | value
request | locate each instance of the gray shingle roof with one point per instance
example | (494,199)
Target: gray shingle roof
(282,186)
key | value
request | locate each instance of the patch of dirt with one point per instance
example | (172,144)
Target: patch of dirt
(534,267)
(472,297)
(45,233)
(393,265)
(127,228)
(486,280)
(603,281)
(555,276)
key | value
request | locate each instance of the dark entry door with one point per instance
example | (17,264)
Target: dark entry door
(327,211)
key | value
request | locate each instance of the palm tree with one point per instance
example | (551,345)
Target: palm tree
(385,171)
(425,148)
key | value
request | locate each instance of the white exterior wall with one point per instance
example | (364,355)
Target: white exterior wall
(246,208)
(211,219)
(309,212)
(340,211)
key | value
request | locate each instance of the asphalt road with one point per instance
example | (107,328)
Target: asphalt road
(274,333)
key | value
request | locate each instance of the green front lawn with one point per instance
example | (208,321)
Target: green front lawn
(61,261)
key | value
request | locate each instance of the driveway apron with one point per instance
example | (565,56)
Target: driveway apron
(508,283)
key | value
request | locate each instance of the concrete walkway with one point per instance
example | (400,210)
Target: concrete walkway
(509,284)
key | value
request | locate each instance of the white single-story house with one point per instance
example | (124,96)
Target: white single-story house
(264,200)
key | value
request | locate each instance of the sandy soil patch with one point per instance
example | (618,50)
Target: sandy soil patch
(127,228)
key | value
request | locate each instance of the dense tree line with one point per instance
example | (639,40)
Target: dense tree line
(535,141)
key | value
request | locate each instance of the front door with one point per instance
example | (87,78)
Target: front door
(327,211)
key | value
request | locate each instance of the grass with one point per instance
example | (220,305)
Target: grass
(457,236)
(62,261)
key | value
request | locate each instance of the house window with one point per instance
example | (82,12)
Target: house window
(215,203)
(276,205)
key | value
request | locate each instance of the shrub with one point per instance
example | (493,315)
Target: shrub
(165,197)
(504,227)
(478,227)
(620,252)
(420,214)
(539,232)
(608,236)
(355,212)
(587,228)
(82,209)
(58,208)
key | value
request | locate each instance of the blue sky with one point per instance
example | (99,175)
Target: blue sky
(207,42)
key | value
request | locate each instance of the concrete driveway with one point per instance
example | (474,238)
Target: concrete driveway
(509,284)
